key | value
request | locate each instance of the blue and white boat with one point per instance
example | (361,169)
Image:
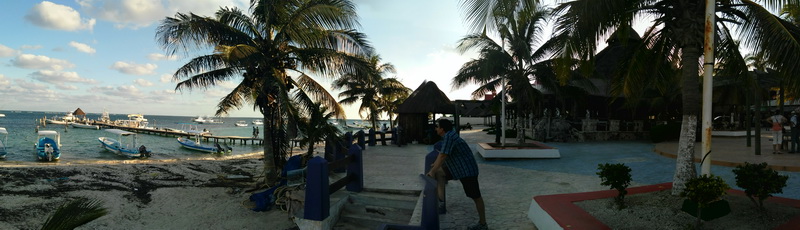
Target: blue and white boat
(48,146)
(125,146)
(3,151)
(195,144)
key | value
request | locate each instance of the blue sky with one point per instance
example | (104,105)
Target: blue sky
(61,55)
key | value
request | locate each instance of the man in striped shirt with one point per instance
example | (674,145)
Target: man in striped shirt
(456,162)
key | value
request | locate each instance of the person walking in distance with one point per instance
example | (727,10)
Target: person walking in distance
(456,162)
(795,131)
(777,120)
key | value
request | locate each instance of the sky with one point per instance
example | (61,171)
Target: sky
(98,55)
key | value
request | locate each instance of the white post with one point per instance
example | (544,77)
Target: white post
(708,69)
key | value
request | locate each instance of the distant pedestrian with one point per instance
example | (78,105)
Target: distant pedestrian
(255,131)
(777,120)
(456,162)
(795,129)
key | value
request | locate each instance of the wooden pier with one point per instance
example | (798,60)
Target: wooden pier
(168,133)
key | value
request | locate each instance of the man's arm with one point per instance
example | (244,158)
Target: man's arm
(437,164)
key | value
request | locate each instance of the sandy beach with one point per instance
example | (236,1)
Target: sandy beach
(163,194)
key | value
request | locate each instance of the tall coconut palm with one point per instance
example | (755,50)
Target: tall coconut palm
(678,30)
(512,59)
(271,53)
(368,87)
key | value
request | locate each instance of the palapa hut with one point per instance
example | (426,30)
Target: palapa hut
(414,114)
(79,113)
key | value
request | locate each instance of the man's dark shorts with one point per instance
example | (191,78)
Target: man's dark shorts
(470,184)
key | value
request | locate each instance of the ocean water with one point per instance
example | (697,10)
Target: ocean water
(82,144)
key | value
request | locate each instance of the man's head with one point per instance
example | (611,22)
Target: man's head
(443,126)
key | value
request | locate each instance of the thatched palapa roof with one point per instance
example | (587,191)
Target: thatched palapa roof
(79,112)
(427,98)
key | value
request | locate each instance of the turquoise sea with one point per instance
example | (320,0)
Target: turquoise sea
(82,144)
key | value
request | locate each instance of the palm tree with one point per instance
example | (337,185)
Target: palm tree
(315,127)
(272,52)
(513,60)
(368,87)
(392,98)
(677,32)
(74,214)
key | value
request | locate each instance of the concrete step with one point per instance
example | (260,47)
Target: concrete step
(368,210)
(401,201)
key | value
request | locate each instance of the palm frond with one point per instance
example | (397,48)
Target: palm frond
(74,214)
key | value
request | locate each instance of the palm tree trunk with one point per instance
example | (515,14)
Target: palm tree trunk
(690,88)
(269,154)
(518,125)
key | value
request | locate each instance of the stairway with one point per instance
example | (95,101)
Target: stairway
(370,209)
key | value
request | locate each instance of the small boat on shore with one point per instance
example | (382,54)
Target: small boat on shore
(84,125)
(195,144)
(48,146)
(241,124)
(125,146)
(3,151)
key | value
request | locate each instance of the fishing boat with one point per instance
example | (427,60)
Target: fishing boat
(241,124)
(124,145)
(258,122)
(48,146)
(195,144)
(199,119)
(64,120)
(210,120)
(3,151)
(84,125)
(105,118)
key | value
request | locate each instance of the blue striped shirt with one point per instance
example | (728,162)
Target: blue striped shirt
(460,160)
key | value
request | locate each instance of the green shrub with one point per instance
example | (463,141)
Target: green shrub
(704,190)
(618,176)
(665,132)
(759,181)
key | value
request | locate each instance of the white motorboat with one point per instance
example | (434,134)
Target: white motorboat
(199,119)
(3,151)
(48,146)
(125,146)
(195,144)
(84,125)
(241,124)
(63,120)
(258,122)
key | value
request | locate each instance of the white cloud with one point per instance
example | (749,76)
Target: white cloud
(165,78)
(161,57)
(141,13)
(30,61)
(30,86)
(58,17)
(143,82)
(5,51)
(82,47)
(4,81)
(66,87)
(133,68)
(126,91)
(59,78)
(31,47)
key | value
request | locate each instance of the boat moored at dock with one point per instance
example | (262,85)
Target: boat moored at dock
(3,151)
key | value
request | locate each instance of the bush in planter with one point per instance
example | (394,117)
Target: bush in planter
(759,181)
(618,176)
(703,191)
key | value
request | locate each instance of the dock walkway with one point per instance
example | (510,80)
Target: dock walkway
(171,133)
